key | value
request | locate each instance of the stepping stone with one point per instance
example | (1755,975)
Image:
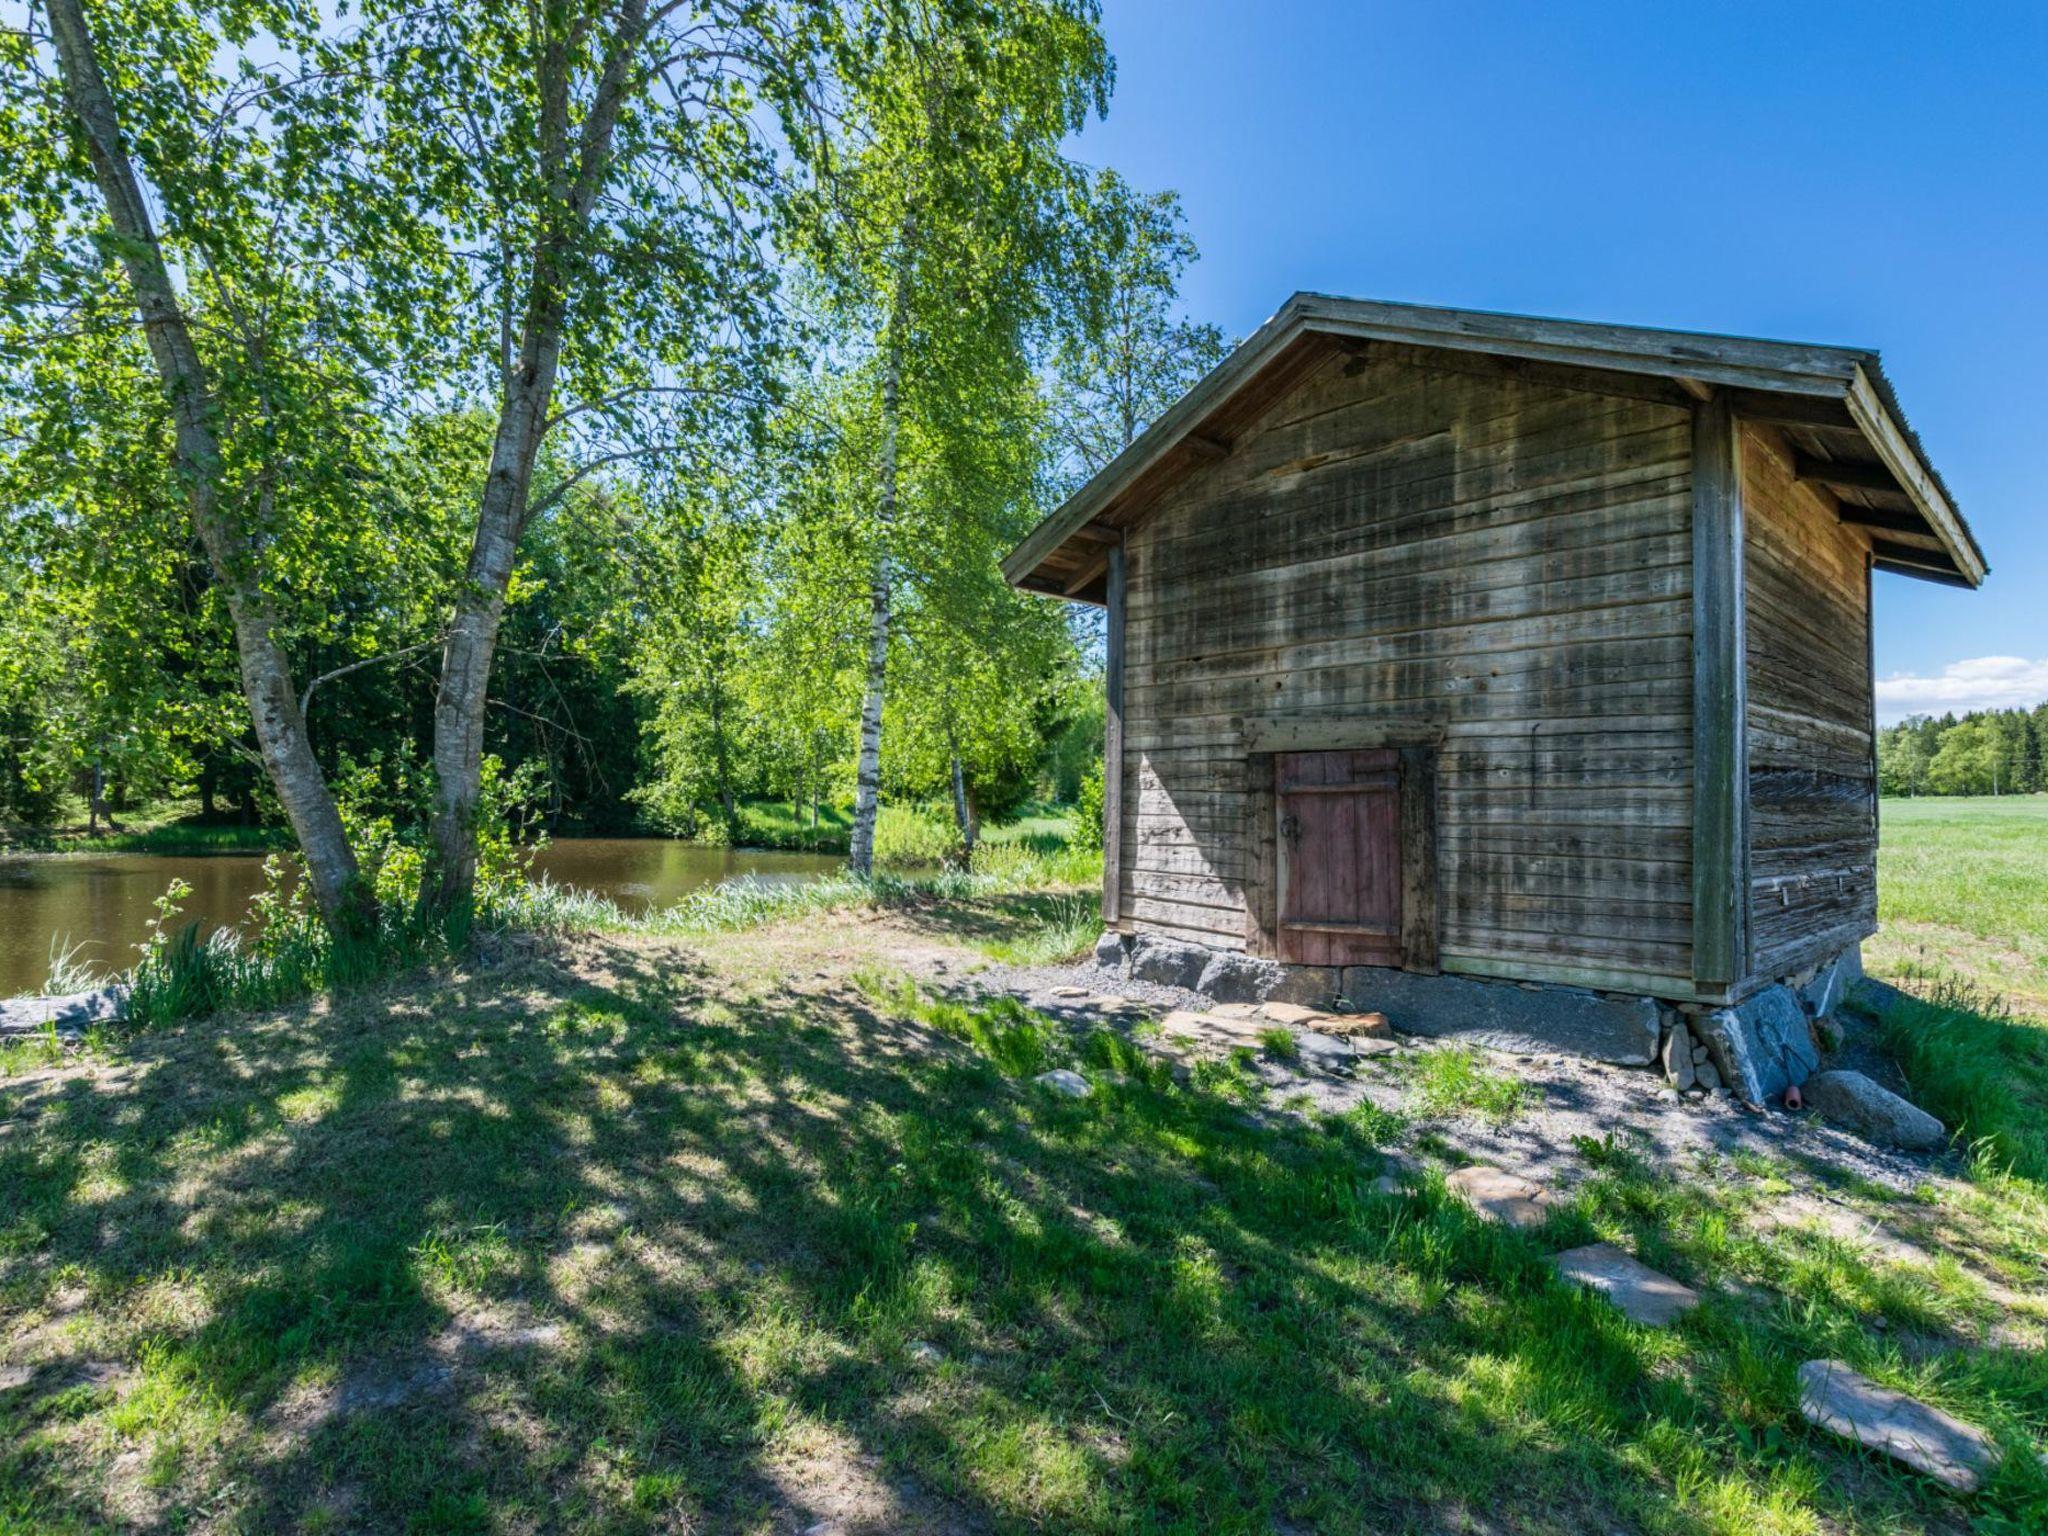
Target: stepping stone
(1360,1026)
(1924,1438)
(1069,991)
(1643,1295)
(1501,1196)
(1218,1032)
(1290,1013)
(1233,1011)
(1066,1082)
(1374,1045)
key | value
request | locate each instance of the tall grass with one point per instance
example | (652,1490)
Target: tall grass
(1983,1073)
(997,869)
(289,954)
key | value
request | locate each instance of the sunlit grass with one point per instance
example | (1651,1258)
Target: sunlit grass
(1963,888)
(663,1246)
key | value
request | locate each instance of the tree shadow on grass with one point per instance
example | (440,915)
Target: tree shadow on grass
(621,1245)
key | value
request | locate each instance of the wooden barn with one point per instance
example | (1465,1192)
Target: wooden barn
(1505,647)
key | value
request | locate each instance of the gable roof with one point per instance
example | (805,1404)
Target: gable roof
(1835,404)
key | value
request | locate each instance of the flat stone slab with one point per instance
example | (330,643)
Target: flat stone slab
(1221,1033)
(1504,1016)
(1356,1025)
(1501,1196)
(1289,1013)
(70,1015)
(1640,1293)
(1924,1438)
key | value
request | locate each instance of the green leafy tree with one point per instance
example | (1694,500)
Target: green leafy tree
(1902,761)
(1130,356)
(1971,759)
(945,236)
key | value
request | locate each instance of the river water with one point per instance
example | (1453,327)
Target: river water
(101,902)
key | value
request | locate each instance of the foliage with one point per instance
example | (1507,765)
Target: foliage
(1989,752)
(1088,830)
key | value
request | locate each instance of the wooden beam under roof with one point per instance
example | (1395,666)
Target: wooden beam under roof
(1844,474)
(1891,552)
(1879,517)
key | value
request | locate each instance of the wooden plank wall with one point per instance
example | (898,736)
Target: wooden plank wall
(1812,789)
(1415,536)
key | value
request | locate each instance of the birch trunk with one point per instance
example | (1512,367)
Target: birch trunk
(867,787)
(963,809)
(266,676)
(576,177)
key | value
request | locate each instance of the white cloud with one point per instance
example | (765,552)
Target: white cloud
(1983,682)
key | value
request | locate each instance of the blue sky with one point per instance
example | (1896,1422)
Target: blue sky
(1869,174)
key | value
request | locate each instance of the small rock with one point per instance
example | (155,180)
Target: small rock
(1069,991)
(1678,1057)
(1643,1295)
(925,1353)
(1699,1055)
(1387,1184)
(1924,1438)
(1066,1082)
(1325,1053)
(1873,1111)
(1501,1196)
(1109,951)
(1706,1077)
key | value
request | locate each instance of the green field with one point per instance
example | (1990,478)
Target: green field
(1963,891)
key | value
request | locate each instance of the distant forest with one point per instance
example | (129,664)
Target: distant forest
(1985,752)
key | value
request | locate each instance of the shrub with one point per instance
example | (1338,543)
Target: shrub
(914,836)
(1087,831)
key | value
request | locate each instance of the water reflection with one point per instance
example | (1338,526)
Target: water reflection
(103,902)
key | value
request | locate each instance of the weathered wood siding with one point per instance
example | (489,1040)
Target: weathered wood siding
(1812,786)
(1408,536)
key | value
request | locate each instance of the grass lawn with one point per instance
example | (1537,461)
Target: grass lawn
(1963,914)
(746,1233)
(1963,888)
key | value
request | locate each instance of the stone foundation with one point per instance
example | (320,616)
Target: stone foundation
(1755,1050)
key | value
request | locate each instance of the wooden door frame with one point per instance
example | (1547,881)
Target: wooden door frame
(1417,742)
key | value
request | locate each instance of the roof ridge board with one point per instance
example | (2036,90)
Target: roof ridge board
(1506,323)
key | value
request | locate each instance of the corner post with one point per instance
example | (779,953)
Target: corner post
(1113,742)
(1720,821)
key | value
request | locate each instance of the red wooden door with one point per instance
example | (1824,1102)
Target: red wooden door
(1339,826)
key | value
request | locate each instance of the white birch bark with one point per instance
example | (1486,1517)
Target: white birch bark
(867,784)
(577,176)
(266,676)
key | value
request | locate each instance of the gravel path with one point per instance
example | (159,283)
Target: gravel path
(1567,1098)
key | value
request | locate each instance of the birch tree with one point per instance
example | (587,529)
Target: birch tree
(944,232)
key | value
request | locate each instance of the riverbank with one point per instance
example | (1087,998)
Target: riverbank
(778,1231)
